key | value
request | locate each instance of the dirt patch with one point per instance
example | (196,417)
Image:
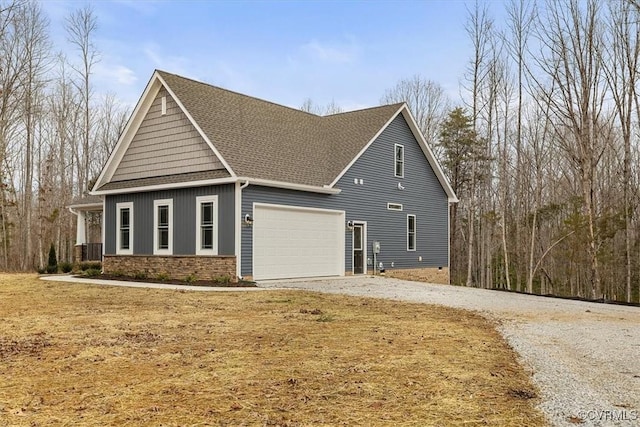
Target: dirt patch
(118,356)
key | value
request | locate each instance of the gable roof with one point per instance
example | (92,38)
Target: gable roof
(265,141)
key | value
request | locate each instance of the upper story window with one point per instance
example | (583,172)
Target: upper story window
(207,225)
(124,228)
(163,227)
(399,160)
(411,232)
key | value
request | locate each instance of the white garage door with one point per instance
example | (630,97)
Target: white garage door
(291,242)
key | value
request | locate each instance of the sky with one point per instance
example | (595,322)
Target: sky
(348,52)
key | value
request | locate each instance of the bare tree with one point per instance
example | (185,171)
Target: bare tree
(572,36)
(81,26)
(427,101)
(620,64)
(36,47)
(479,27)
(331,108)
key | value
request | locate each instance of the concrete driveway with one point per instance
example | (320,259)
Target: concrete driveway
(585,357)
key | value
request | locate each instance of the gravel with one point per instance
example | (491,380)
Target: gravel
(584,357)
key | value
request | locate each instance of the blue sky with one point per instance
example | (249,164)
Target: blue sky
(282,51)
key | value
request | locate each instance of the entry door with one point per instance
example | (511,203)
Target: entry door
(358,249)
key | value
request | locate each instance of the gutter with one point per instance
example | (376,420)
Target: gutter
(230,180)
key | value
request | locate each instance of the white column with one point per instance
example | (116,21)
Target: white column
(81,232)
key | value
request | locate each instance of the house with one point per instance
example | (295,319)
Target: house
(210,182)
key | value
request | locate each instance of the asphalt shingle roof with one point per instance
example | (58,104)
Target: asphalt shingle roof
(263,140)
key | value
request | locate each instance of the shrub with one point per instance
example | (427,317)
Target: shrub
(118,273)
(190,278)
(41,270)
(92,272)
(65,267)
(140,275)
(222,280)
(52,264)
(162,276)
(96,265)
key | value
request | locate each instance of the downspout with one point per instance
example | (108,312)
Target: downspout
(238,223)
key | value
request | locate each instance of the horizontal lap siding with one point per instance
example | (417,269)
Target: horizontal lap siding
(165,145)
(184,221)
(422,196)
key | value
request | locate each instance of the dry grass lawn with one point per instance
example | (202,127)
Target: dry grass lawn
(92,355)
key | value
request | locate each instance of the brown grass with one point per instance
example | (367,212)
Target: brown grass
(91,355)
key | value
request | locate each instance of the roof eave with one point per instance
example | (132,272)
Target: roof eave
(220,181)
(291,186)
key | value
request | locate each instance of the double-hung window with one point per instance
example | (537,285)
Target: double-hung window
(124,228)
(163,227)
(399,160)
(411,232)
(207,225)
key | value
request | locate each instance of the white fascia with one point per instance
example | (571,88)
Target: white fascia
(168,186)
(292,186)
(429,154)
(139,113)
(230,180)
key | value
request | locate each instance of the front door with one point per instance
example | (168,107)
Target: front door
(358,249)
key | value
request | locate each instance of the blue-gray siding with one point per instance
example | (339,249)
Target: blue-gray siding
(422,196)
(184,214)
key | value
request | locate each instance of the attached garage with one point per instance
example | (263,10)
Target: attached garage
(291,242)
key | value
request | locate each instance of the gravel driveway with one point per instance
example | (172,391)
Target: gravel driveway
(585,357)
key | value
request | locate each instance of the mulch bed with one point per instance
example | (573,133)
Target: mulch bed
(219,284)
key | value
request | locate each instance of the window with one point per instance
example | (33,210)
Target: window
(399,160)
(394,206)
(207,225)
(411,232)
(124,228)
(163,227)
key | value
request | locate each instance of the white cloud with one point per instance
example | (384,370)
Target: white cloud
(120,74)
(169,63)
(326,53)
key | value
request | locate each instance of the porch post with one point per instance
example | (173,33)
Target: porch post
(81,233)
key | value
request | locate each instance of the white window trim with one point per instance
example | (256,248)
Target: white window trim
(415,233)
(199,201)
(400,207)
(119,207)
(395,163)
(156,241)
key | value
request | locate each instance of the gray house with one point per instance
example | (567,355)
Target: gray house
(210,182)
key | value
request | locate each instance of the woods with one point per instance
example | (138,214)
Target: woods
(55,135)
(543,150)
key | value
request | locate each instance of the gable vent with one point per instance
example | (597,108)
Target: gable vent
(394,206)
(164,106)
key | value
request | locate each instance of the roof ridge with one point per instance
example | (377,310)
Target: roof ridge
(239,93)
(397,105)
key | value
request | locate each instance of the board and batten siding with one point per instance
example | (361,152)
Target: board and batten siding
(165,145)
(184,219)
(422,196)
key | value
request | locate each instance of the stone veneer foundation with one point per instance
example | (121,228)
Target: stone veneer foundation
(430,275)
(176,267)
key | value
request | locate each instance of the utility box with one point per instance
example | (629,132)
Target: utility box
(376,247)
